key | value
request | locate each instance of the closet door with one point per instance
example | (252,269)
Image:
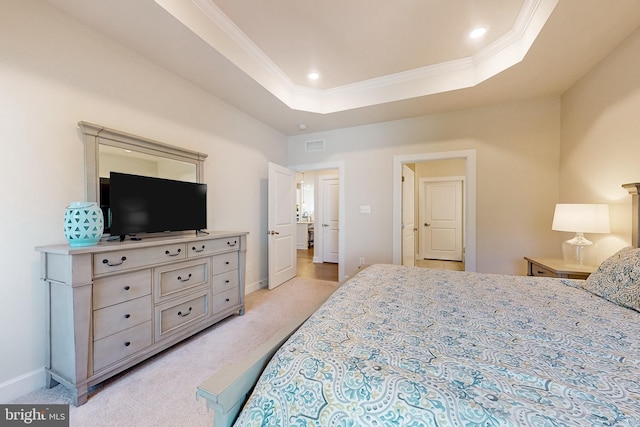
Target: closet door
(441,217)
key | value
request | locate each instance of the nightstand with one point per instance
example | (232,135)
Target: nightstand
(554,267)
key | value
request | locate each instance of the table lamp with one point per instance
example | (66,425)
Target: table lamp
(580,219)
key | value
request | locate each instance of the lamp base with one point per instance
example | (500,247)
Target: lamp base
(578,251)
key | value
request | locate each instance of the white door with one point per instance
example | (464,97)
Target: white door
(441,218)
(330,224)
(408,214)
(281,225)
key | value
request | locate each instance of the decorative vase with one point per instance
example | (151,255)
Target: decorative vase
(83,223)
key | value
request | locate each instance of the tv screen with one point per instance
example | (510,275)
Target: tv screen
(142,204)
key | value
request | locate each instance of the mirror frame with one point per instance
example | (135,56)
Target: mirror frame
(93,135)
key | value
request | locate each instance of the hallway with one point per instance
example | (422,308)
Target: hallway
(329,271)
(307,268)
(440,265)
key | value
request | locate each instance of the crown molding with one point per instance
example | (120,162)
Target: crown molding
(225,37)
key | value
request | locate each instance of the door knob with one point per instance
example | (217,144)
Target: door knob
(325,225)
(426,224)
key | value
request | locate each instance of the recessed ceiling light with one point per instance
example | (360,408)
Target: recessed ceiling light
(313,76)
(302,126)
(478,32)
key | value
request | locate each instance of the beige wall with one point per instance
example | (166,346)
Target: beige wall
(601,140)
(439,168)
(517,178)
(55,72)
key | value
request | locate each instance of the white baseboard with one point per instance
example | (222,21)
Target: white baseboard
(21,385)
(248,288)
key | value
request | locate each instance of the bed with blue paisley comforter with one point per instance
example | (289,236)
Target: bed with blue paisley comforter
(405,346)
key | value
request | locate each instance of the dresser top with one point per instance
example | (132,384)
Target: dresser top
(106,246)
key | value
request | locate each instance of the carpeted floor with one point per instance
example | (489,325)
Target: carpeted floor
(161,391)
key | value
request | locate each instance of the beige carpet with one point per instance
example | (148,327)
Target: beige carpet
(161,391)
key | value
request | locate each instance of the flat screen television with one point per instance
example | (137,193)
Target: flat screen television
(142,204)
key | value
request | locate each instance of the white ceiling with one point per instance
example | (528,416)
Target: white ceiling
(378,60)
(346,40)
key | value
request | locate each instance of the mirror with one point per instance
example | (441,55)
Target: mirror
(115,159)
(107,150)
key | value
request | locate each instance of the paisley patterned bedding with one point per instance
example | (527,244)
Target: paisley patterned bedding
(401,346)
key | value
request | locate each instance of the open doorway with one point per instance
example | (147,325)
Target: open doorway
(444,168)
(432,214)
(318,223)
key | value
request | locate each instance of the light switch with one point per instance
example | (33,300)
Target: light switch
(365,209)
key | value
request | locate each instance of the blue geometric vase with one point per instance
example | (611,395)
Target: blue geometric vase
(83,223)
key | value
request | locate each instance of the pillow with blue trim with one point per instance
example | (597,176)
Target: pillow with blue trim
(617,279)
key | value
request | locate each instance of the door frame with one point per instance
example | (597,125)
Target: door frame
(469,200)
(408,254)
(340,167)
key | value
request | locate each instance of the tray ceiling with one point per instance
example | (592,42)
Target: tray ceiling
(378,60)
(366,52)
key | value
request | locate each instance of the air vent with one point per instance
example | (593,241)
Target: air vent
(317,145)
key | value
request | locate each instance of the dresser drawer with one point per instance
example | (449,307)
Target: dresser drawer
(215,246)
(225,262)
(226,299)
(540,271)
(120,345)
(119,317)
(175,278)
(123,287)
(174,315)
(109,262)
(225,281)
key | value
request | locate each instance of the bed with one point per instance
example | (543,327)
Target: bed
(405,346)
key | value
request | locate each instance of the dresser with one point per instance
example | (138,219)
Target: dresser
(113,305)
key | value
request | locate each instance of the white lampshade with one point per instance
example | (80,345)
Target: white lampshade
(581,218)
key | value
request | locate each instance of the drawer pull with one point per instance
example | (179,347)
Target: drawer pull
(174,254)
(227,300)
(126,316)
(115,264)
(226,263)
(126,288)
(235,242)
(540,272)
(184,280)
(194,249)
(127,343)
(227,281)
(185,314)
